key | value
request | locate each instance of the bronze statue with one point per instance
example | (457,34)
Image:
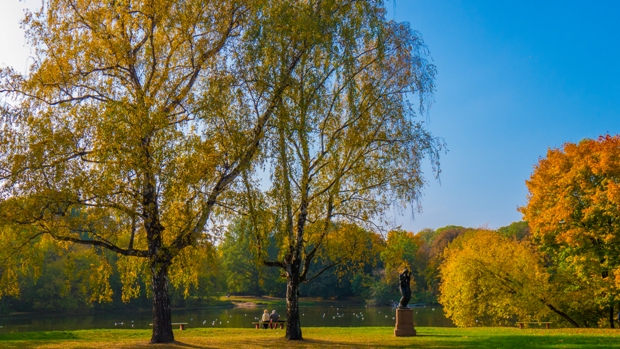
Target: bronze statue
(405,288)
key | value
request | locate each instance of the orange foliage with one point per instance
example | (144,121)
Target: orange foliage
(573,210)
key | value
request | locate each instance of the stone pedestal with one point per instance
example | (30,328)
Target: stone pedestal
(404,323)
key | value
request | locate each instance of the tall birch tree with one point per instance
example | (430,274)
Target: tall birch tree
(345,144)
(130,128)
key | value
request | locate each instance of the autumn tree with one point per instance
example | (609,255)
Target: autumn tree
(427,235)
(516,230)
(444,236)
(133,123)
(489,280)
(573,211)
(441,238)
(400,252)
(242,266)
(345,144)
(55,279)
(243,273)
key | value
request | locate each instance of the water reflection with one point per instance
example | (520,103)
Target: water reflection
(311,316)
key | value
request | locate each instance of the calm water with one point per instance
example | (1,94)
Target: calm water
(312,316)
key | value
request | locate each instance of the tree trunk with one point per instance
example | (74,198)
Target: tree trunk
(162,320)
(160,258)
(293,325)
(562,314)
(611,314)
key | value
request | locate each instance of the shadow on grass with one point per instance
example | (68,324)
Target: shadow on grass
(184,345)
(323,343)
(546,342)
(173,345)
(38,336)
(463,342)
(231,339)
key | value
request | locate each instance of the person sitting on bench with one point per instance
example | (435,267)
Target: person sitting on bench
(265,319)
(274,317)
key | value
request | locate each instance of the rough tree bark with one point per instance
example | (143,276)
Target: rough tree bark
(611,314)
(162,319)
(293,323)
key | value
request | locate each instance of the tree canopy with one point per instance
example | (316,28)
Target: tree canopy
(346,144)
(573,211)
(132,125)
(489,280)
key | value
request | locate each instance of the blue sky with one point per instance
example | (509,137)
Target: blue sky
(515,78)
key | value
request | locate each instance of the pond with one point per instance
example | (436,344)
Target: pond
(311,316)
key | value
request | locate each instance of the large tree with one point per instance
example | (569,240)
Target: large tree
(573,211)
(133,123)
(345,144)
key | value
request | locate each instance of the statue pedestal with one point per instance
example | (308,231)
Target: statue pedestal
(404,323)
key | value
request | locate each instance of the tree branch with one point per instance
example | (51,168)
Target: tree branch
(109,246)
(305,281)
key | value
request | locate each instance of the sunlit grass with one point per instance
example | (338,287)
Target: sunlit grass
(324,337)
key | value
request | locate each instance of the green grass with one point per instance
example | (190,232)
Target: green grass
(324,337)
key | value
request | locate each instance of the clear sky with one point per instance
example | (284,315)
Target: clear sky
(13,51)
(515,78)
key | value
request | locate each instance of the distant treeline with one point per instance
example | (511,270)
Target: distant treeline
(65,281)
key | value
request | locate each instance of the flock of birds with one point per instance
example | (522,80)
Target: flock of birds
(122,323)
(204,322)
(215,322)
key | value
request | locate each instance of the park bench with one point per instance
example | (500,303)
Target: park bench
(180,324)
(272,324)
(521,323)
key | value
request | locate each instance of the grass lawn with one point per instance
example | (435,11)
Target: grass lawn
(324,337)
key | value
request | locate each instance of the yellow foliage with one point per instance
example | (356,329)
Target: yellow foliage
(490,280)
(99,282)
(130,270)
(351,244)
(132,125)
